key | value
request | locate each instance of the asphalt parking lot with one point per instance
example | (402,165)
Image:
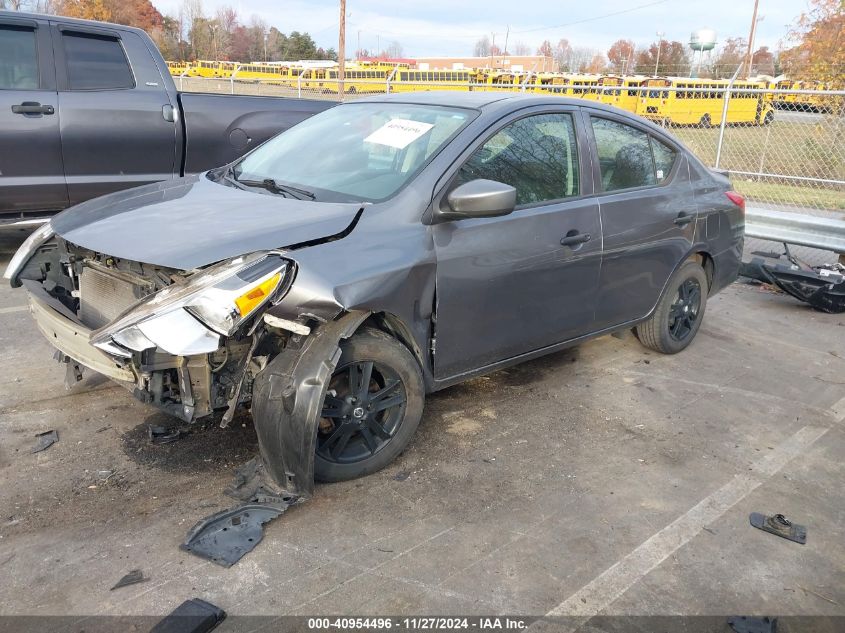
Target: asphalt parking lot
(605,479)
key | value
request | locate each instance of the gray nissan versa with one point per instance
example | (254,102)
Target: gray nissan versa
(378,251)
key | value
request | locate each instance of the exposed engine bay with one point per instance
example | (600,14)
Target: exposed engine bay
(95,290)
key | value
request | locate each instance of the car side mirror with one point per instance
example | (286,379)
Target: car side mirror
(479,198)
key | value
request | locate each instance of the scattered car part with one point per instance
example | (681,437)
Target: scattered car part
(45,440)
(751,624)
(192,616)
(163,434)
(779,525)
(225,537)
(132,578)
(823,287)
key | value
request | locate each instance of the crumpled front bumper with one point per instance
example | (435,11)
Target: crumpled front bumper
(72,339)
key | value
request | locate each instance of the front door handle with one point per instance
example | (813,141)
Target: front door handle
(683,219)
(574,237)
(33,107)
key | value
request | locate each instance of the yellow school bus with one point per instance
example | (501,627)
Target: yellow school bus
(629,94)
(179,68)
(490,79)
(685,101)
(581,85)
(605,89)
(272,74)
(406,80)
(554,83)
(215,70)
(356,80)
(621,92)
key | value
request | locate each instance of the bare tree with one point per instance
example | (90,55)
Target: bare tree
(394,50)
(482,47)
(563,55)
(521,48)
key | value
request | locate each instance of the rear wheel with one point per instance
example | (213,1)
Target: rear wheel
(679,313)
(705,121)
(372,408)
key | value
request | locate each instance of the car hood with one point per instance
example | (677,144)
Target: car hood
(192,222)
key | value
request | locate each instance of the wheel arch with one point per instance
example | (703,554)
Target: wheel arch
(705,260)
(393,325)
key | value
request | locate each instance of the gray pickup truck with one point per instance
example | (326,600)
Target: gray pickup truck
(87,108)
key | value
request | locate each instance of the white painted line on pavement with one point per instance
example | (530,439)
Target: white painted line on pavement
(14,309)
(600,593)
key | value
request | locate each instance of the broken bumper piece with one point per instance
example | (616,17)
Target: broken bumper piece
(224,538)
(823,288)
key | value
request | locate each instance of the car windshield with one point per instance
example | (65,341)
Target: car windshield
(357,151)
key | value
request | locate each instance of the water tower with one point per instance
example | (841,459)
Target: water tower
(702,40)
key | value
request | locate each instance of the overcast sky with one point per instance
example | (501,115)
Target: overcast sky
(450,27)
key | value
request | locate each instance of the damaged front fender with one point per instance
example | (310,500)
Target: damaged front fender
(288,397)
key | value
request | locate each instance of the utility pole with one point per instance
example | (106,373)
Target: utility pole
(507,33)
(358,50)
(341,49)
(660,35)
(749,57)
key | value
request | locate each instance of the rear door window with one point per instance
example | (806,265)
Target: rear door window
(96,62)
(624,155)
(18,58)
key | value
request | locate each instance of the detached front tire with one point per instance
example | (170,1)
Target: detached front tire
(372,408)
(679,313)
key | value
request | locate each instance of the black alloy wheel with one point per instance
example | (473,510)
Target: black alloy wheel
(362,412)
(684,311)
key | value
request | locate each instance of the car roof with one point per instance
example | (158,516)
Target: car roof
(482,100)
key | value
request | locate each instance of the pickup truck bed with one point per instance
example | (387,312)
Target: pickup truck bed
(88,108)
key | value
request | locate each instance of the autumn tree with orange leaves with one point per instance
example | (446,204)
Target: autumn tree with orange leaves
(819,37)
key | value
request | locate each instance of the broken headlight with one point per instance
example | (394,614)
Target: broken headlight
(189,319)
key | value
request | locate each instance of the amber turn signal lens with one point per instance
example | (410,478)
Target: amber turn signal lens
(255,296)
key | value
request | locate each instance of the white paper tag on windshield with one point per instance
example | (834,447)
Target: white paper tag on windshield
(399,133)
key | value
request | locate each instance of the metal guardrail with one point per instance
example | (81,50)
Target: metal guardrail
(795,228)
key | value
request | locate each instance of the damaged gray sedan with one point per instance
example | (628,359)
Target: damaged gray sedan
(379,251)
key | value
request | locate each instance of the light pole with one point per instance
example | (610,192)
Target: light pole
(660,35)
(341,49)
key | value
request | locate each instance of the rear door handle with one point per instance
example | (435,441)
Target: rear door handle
(574,237)
(33,107)
(683,219)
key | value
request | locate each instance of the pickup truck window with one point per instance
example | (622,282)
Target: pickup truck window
(96,62)
(18,59)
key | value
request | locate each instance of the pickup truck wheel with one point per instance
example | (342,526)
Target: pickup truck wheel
(373,406)
(679,313)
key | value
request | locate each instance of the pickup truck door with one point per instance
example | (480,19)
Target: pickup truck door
(118,126)
(31,172)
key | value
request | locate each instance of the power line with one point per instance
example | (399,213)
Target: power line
(597,17)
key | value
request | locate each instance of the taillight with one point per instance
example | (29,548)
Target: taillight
(737,199)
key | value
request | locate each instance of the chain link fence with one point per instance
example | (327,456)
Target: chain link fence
(784,150)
